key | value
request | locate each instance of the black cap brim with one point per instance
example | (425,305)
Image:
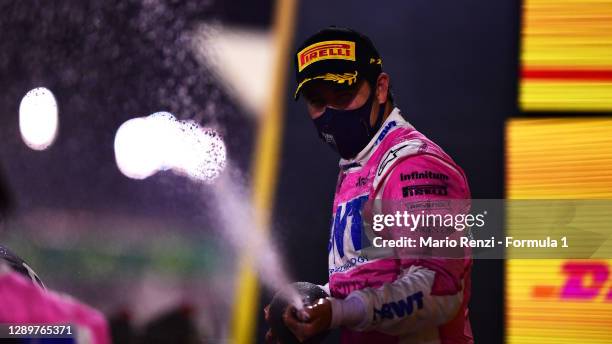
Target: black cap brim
(340,79)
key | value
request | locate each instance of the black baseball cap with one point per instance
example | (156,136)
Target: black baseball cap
(338,55)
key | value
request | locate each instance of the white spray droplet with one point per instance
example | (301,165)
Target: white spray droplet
(133,149)
(200,152)
(160,142)
(38,118)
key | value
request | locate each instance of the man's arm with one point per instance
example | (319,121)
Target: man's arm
(428,292)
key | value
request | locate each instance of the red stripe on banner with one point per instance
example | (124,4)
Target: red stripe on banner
(565,74)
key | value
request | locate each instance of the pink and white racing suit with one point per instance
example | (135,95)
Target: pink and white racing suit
(25,303)
(406,300)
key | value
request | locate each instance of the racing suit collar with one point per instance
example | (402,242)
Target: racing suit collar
(362,157)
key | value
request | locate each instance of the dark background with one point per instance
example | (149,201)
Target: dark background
(453,68)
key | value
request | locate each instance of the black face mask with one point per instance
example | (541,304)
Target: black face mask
(349,131)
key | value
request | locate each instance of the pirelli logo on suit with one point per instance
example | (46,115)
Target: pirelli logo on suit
(341,50)
(422,190)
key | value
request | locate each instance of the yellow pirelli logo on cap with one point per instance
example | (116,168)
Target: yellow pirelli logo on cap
(326,50)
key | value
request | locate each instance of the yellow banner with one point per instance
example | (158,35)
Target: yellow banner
(560,300)
(566,55)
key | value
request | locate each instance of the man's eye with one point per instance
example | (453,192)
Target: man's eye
(345,98)
(316,102)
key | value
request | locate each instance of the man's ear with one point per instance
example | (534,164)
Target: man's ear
(382,88)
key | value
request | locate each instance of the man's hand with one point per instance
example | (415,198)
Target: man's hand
(309,321)
(270,338)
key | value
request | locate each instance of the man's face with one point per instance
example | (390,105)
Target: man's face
(320,94)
